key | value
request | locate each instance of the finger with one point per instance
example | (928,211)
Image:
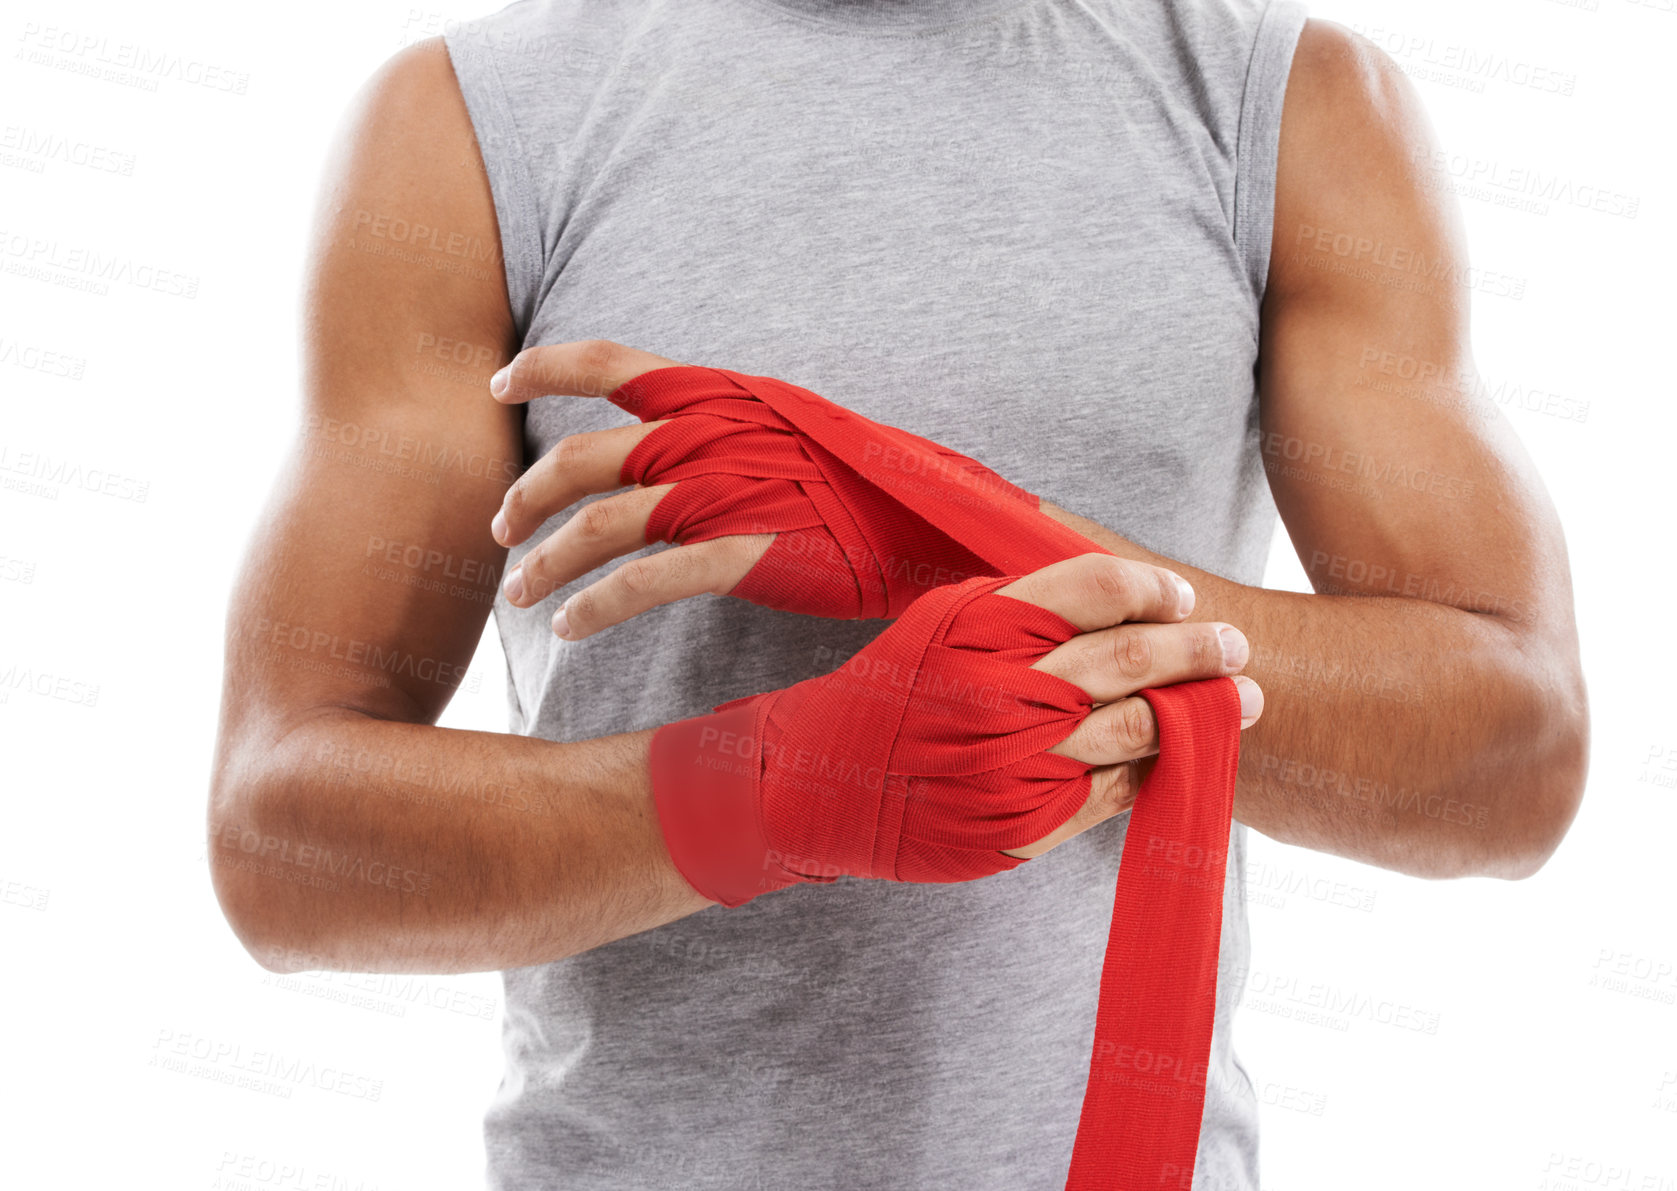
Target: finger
(1112,791)
(585,368)
(1128,730)
(1096,591)
(1251,700)
(596,533)
(1113,786)
(716,567)
(1111,663)
(578,466)
(1114,733)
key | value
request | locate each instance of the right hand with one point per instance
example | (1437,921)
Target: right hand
(935,753)
(1134,637)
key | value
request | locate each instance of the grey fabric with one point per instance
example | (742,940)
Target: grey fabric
(1034,230)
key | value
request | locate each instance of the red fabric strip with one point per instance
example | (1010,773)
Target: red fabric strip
(1146,1093)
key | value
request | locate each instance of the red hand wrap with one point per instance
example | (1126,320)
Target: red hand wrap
(865,771)
(751,454)
(919,759)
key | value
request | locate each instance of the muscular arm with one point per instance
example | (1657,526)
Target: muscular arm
(1426,710)
(345,829)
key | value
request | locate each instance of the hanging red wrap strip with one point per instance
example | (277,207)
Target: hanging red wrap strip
(872,518)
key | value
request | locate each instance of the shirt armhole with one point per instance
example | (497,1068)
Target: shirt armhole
(1257,145)
(504,159)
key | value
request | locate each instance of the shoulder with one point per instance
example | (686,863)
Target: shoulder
(1355,157)
(416,83)
(1343,82)
(407,139)
(404,207)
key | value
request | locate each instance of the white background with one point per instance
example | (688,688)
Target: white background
(1549,1054)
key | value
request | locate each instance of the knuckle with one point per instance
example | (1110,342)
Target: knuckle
(514,503)
(529,369)
(583,608)
(570,452)
(720,570)
(1208,650)
(1109,577)
(640,577)
(1109,791)
(1113,737)
(1170,595)
(537,584)
(1126,784)
(594,521)
(1134,724)
(1131,655)
(597,359)
(1085,817)
(676,567)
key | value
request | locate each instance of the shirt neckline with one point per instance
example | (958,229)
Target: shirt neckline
(891,16)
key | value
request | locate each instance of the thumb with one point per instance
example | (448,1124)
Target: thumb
(584,368)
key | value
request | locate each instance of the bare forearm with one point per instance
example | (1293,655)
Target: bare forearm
(371,845)
(1397,731)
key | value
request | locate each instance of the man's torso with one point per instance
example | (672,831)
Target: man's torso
(1037,237)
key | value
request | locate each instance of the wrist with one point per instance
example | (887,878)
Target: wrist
(706,774)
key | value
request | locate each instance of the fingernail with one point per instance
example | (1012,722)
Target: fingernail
(498,383)
(514,586)
(498,528)
(1184,596)
(561,624)
(1251,697)
(1234,646)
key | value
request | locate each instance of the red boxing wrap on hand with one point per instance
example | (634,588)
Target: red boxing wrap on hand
(751,454)
(919,759)
(898,766)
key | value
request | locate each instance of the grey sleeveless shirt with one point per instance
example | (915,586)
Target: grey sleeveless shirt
(1036,231)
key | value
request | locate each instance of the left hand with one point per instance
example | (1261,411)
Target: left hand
(590,463)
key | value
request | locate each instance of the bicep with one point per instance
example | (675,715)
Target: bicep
(1392,474)
(367,584)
